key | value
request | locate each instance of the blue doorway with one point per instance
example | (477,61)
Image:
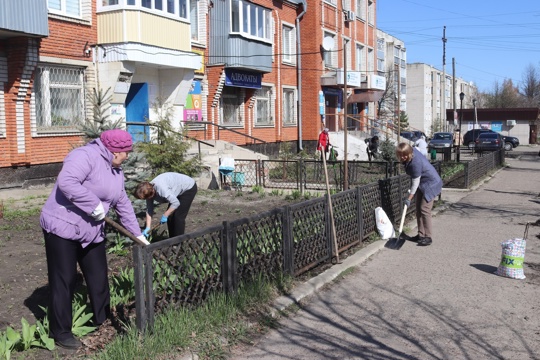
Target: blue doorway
(137,111)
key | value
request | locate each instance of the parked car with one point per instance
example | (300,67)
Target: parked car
(509,142)
(441,140)
(413,135)
(488,141)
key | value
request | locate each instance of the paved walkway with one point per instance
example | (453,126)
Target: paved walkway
(436,302)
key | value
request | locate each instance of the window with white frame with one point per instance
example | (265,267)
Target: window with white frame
(250,20)
(330,56)
(289,44)
(59,94)
(361,9)
(264,114)
(333,2)
(194,18)
(350,65)
(289,106)
(370,61)
(65,7)
(371,12)
(361,64)
(176,8)
(231,102)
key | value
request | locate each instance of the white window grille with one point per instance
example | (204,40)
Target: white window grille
(59,93)
(289,45)
(251,20)
(289,106)
(264,106)
(231,102)
(65,7)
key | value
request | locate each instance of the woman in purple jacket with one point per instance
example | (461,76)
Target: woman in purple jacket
(90,183)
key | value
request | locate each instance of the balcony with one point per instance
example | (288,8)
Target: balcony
(23,18)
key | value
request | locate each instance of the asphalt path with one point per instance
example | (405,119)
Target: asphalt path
(437,302)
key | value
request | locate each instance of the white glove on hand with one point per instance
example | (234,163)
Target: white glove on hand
(99,212)
(143,239)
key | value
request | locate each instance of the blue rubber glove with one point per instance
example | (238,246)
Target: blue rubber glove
(407,202)
(146,232)
(163,220)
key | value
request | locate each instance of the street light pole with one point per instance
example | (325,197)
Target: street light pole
(461,97)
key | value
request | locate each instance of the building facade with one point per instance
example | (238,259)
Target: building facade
(426,104)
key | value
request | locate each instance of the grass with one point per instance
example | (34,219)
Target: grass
(208,330)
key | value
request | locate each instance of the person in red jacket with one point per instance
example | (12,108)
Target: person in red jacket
(323,145)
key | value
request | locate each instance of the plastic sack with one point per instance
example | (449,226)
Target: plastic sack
(384,225)
(513,254)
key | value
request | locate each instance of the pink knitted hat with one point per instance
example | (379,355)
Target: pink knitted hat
(117,140)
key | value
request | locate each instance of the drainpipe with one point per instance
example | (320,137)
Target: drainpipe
(299,72)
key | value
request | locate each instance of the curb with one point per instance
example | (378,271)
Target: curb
(311,286)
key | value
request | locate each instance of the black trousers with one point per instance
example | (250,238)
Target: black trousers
(62,258)
(176,223)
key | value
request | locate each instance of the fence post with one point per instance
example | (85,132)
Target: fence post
(138,279)
(328,226)
(360,213)
(301,172)
(288,242)
(228,267)
(467,175)
(150,296)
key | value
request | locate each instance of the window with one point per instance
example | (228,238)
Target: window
(176,8)
(361,58)
(333,2)
(361,9)
(370,61)
(349,55)
(289,106)
(59,93)
(231,102)
(65,7)
(289,45)
(264,106)
(330,56)
(194,17)
(251,20)
(371,12)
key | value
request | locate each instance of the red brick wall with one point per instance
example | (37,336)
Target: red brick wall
(66,40)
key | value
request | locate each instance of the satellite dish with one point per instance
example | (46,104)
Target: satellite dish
(328,43)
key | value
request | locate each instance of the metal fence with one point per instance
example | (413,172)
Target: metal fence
(305,175)
(186,269)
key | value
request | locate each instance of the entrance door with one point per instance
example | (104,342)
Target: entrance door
(330,111)
(137,111)
(532,134)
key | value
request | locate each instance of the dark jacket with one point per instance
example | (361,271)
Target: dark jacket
(430,181)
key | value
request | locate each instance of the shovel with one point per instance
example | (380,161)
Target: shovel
(124,231)
(397,242)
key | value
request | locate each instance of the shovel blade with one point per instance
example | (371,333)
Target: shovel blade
(395,243)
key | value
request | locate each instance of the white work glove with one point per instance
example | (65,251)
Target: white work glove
(98,213)
(143,239)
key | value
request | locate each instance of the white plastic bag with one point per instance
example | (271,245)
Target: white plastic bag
(513,254)
(384,225)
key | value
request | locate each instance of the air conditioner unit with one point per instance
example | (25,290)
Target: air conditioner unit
(349,15)
(510,122)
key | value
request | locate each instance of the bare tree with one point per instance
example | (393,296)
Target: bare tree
(530,87)
(504,95)
(387,104)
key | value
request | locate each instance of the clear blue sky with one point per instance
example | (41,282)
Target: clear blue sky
(491,40)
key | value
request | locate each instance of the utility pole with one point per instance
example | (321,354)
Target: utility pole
(345,162)
(443,106)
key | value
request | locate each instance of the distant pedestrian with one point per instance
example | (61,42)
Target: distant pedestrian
(426,184)
(323,144)
(90,183)
(178,190)
(421,145)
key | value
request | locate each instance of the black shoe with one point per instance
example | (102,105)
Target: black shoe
(415,238)
(69,343)
(425,241)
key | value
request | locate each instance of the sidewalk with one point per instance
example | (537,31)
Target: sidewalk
(437,302)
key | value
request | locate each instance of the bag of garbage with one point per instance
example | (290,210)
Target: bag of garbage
(384,225)
(513,254)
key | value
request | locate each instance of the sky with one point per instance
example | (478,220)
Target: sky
(490,40)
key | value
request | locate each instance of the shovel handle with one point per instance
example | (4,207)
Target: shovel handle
(402,218)
(124,231)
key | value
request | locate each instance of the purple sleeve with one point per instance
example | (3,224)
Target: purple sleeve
(77,166)
(125,212)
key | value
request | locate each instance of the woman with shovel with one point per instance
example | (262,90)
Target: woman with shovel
(90,183)
(178,190)
(426,181)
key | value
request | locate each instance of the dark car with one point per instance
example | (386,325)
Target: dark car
(509,142)
(488,141)
(441,140)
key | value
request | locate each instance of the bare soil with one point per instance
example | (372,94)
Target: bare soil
(23,266)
